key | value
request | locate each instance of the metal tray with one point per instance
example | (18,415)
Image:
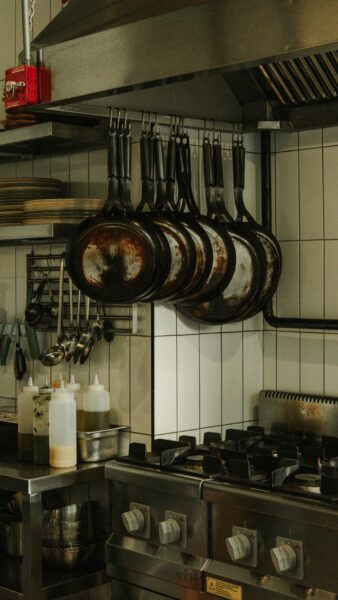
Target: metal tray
(94,446)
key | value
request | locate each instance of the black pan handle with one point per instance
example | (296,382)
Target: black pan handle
(191,202)
(112,203)
(207,164)
(161,183)
(171,169)
(217,163)
(238,162)
(125,146)
(147,183)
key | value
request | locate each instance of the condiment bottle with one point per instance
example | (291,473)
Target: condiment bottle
(75,387)
(41,425)
(25,421)
(96,407)
(62,428)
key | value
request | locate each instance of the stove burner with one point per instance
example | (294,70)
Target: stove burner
(195,462)
(310,482)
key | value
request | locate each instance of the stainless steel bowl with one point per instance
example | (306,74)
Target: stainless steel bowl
(67,533)
(94,446)
(68,558)
(83,511)
(71,525)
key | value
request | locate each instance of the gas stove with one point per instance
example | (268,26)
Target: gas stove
(293,462)
(249,517)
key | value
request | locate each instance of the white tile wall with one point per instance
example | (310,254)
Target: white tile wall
(232,363)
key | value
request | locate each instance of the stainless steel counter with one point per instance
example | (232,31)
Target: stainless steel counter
(28,478)
(28,579)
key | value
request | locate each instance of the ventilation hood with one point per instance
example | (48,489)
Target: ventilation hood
(263,59)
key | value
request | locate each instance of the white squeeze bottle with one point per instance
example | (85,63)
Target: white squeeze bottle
(96,407)
(62,428)
(25,421)
(75,387)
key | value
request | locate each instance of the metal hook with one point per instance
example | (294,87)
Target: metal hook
(110,118)
(118,118)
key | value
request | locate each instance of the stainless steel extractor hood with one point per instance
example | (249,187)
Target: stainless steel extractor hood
(277,57)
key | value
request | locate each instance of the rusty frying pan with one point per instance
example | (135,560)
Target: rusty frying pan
(114,257)
(182,250)
(191,220)
(224,256)
(272,251)
(241,293)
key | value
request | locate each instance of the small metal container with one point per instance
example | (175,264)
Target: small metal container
(94,446)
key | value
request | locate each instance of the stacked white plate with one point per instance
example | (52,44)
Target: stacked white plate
(60,210)
(14,191)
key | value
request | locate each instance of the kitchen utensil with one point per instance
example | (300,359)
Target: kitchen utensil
(94,446)
(182,249)
(242,291)
(273,256)
(97,327)
(75,334)
(85,335)
(54,355)
(35,310)
(88,346)
(68,557)
(34,344)
(113,256)
(108,331)
(19,357)
(223,250)
(7,340)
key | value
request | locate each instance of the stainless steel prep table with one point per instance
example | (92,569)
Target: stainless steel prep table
(28,579)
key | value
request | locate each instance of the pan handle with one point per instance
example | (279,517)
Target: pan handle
(147,194)
(186,166)
(112,203)
(160,171)
(171,171)
(238,165)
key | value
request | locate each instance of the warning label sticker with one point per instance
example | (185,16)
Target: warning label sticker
(223,589)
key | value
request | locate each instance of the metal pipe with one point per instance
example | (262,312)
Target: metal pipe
(269,316)
(25,32)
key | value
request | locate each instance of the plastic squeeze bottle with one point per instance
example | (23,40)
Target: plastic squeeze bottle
(96,407)
(75,387)
(25,421)
(41,425)
(62,428)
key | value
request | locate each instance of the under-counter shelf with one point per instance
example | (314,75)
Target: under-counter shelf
(49,138)
(56,582)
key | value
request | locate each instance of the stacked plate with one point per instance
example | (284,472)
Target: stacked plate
(14,191)
(60,210)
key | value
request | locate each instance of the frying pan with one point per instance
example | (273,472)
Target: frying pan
(191,221)
(273,255)
(223,249)
(113,256)
(182,249)
(163,255)
(242,291)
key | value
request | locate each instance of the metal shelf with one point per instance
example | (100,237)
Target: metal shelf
(49,138)
(38,234)
(56,582)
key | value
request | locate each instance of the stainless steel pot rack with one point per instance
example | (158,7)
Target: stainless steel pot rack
(268,311)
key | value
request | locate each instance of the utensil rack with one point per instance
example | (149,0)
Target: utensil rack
(119,314)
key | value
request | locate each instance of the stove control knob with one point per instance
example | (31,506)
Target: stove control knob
(284,558)
(169,532)
(239,547)
(133,520)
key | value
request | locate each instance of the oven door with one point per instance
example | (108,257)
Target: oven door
(162,570)
(122,591)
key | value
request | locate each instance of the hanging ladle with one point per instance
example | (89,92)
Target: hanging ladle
(85,335)
(54,355)
(74,335)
